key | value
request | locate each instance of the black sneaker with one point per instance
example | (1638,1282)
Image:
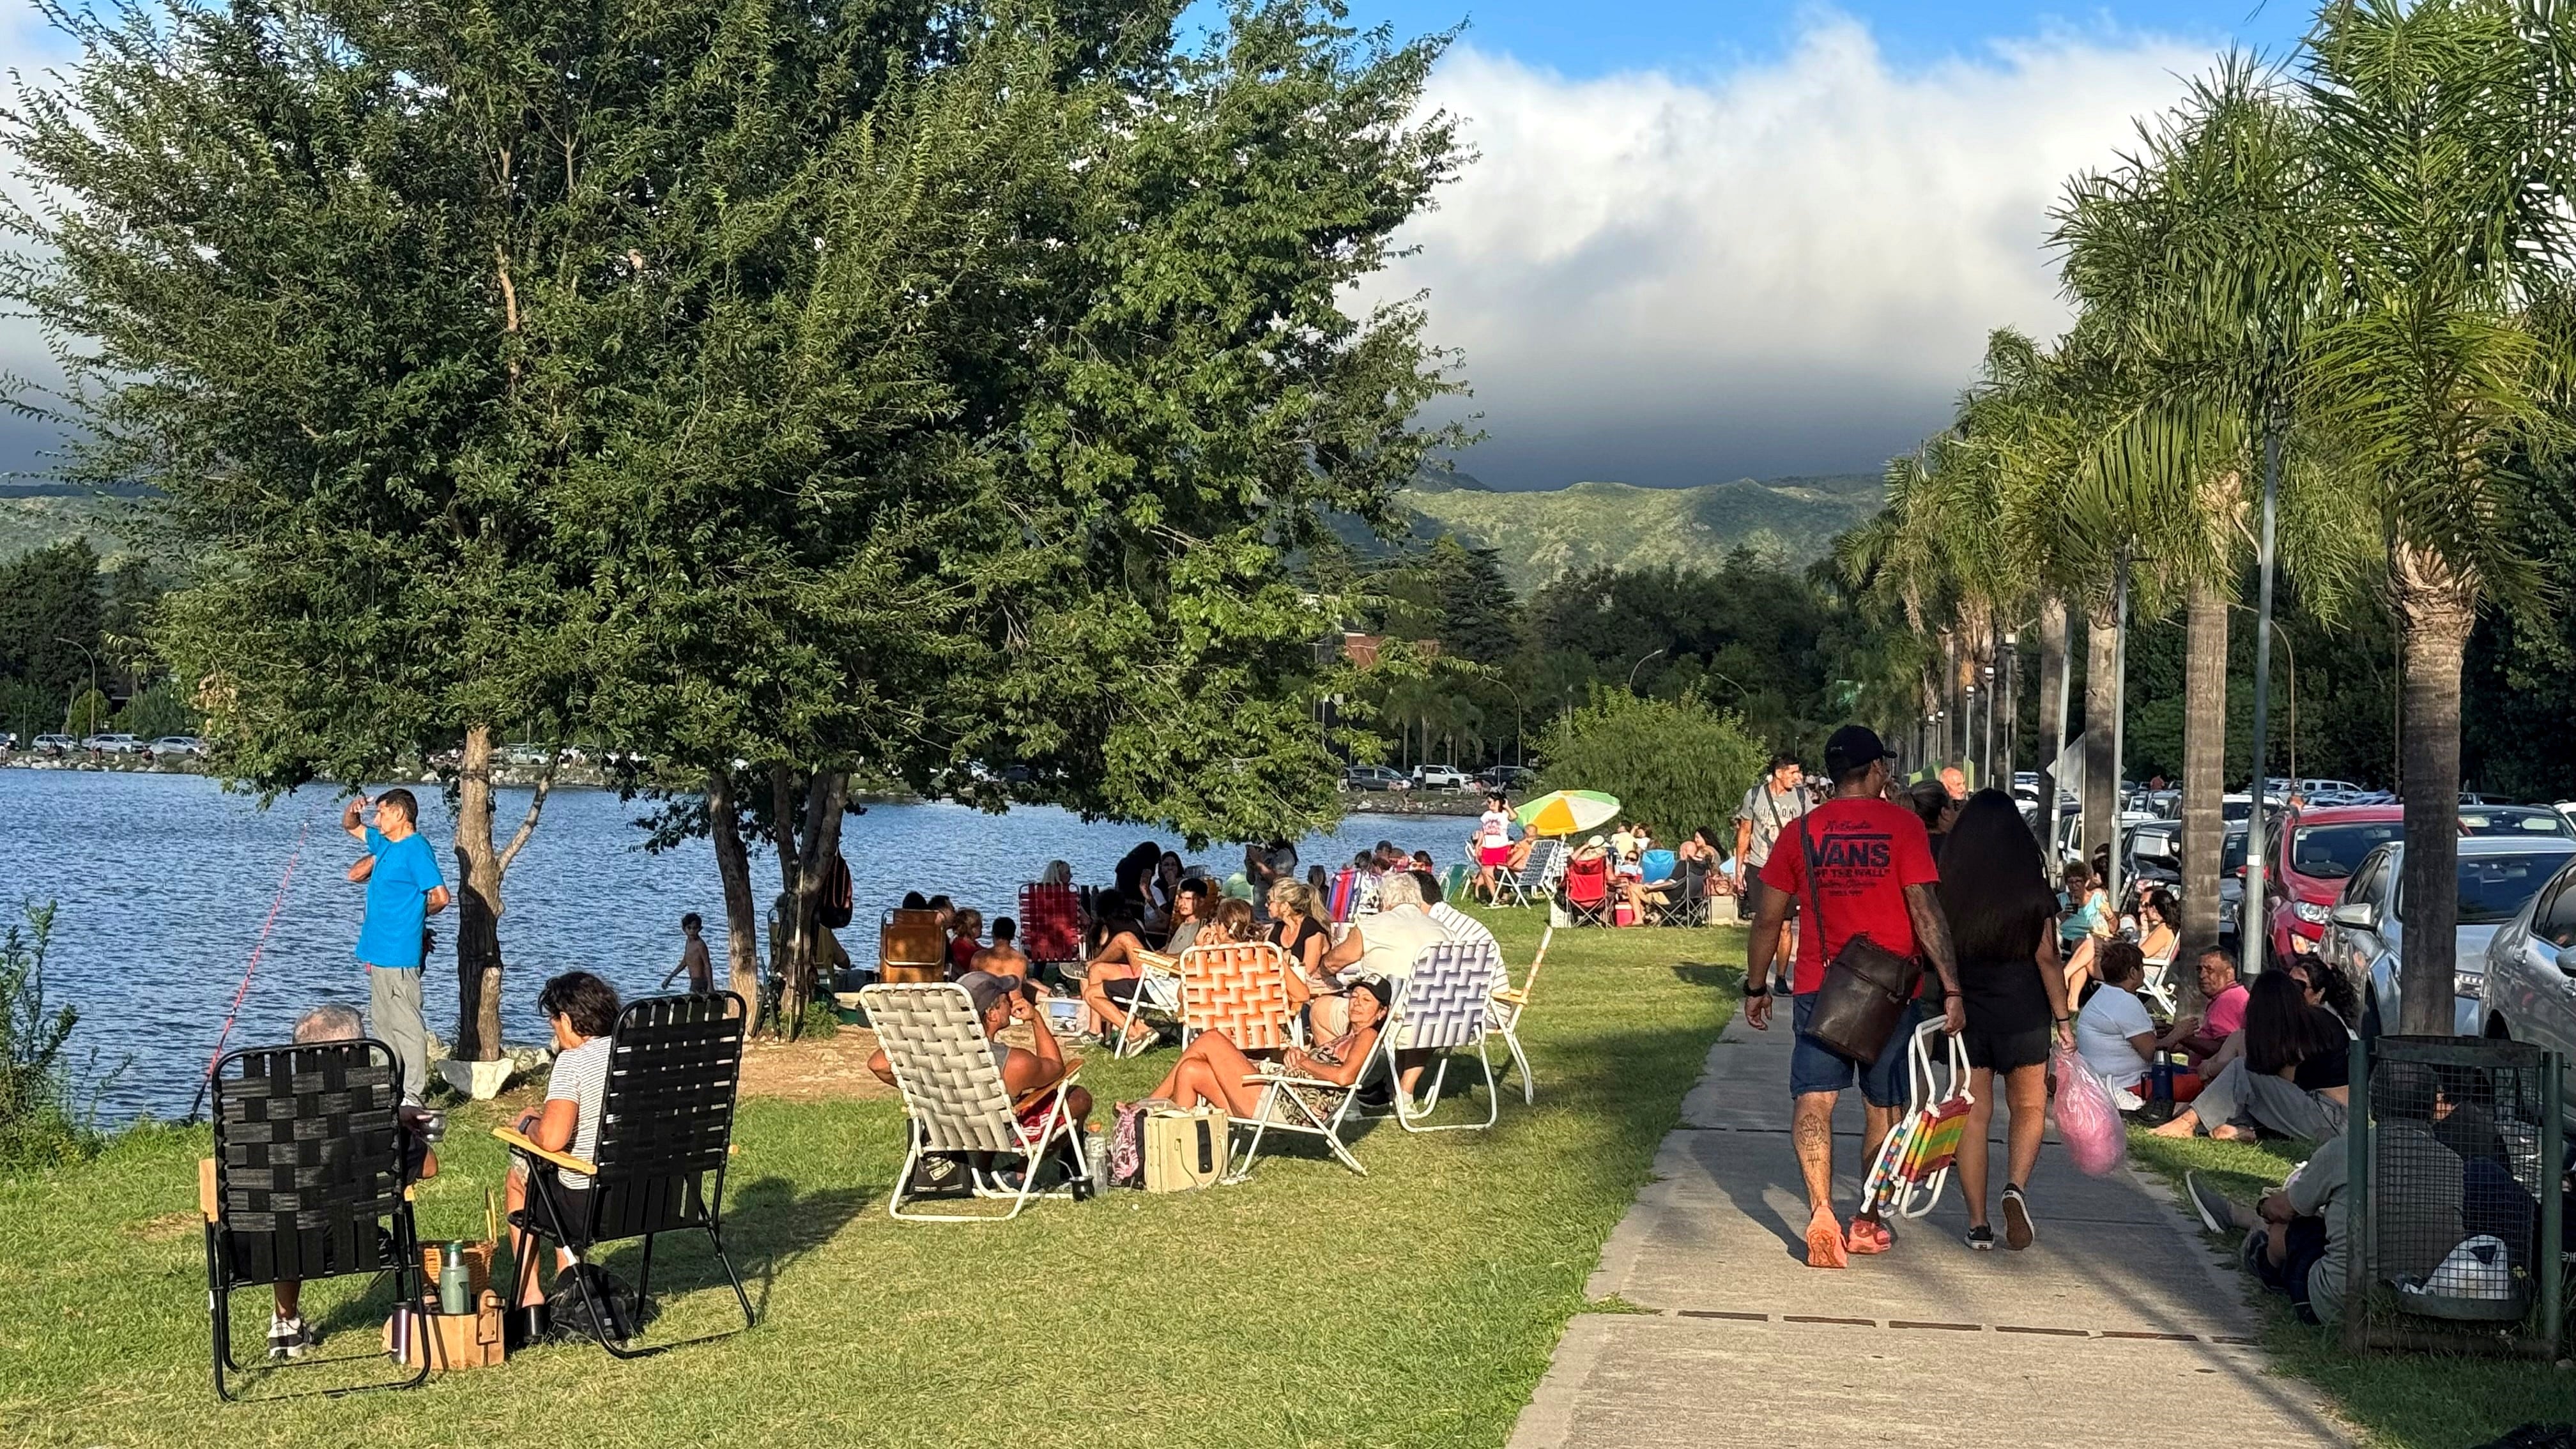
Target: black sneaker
(2017,1231)
(1981,1238)
(288,1337)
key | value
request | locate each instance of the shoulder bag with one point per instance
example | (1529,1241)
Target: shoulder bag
(1867,987)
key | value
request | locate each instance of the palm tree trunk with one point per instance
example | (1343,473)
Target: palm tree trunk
(2436,609)
(2052,678)
(2101,704)
(2204,766)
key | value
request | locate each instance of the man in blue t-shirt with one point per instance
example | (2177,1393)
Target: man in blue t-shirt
(404,889)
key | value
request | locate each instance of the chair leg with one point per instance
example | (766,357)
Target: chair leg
(731,1278)
(644,1281)
(219,1315)
(1520,1059)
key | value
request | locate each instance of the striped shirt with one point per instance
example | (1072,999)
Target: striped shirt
(581,1078)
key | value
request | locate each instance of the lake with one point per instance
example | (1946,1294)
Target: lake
(163,883)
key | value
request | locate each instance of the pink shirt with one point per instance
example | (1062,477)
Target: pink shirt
(2226,1013)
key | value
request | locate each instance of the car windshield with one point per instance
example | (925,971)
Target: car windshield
(2493,887)
(2235,809)
(2492,821)
(2331,852)
(2234,857)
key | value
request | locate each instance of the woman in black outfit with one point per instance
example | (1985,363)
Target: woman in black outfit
(2294,1074)
(2002,922)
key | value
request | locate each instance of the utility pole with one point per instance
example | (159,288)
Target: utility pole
(2253,912)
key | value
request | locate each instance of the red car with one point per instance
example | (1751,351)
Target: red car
(2318,848)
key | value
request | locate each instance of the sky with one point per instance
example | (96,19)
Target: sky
(1748,238)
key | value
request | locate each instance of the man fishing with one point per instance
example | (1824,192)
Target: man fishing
(404,889)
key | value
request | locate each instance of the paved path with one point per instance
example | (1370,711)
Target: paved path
(2119,1325)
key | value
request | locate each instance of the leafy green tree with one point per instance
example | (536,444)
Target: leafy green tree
(1675,764)
(51,609)
(88,714)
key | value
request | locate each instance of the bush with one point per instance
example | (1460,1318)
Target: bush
(1675,764)
(38,1124)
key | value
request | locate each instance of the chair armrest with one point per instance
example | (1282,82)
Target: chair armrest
(1291,1079)
(1512,998)
(1035,1095)
(521,1142)
(208,1203)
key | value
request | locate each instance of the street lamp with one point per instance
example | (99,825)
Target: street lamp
(1640,664)
(1518,759)
(1986,763)
(93,677)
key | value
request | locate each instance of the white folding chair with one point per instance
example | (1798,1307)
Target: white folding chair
(1284,1107)
(1158,995)
(953,1091)
(1537,875)
(1443,1006)
(1503,1017)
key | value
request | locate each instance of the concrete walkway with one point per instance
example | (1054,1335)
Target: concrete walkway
(2118,1325)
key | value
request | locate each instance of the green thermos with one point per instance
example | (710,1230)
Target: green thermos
(455,1285)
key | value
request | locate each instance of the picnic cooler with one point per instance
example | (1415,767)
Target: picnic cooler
(465,1340)
(910,949)
(1184,1151)
(1913,1165)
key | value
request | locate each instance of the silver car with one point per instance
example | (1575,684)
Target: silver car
(2365,931)
(2531,972)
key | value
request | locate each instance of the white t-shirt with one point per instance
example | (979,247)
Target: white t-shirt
(2102,1032)
(581,1078)
(1392,939)
(1497,828)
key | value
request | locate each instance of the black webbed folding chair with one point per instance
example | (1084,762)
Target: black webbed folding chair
(658,1166)
(307,1182)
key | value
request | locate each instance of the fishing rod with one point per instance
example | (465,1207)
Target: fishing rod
(257,948)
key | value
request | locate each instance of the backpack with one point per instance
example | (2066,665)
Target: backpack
(618,1306)
(835,910)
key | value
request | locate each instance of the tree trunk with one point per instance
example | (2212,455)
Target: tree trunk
(2101,704)
(825,799)
(2204,767)
(2436,608)
(478,905)
(2052,677)
(733,865)
(782,823)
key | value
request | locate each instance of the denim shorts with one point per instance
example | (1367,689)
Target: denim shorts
(1812,1068)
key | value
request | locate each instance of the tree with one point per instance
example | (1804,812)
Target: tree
(2440,136)
(1675,764)
(50,610)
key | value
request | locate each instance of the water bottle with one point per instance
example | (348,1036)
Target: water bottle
(2160,1079)
(455,1285)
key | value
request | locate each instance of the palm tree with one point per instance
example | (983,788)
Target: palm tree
(2440,136)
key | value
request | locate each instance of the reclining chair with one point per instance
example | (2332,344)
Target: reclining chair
(665,1138)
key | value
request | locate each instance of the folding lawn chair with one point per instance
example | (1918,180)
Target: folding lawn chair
(1306,1107)
(1685,896)
(1156,1004)
(952,1089)
(911,947)
(2159,987)
(1050,924)
(1537,875)
(306,1182)
(1586,886)
(1914,1163)
(1240,990)
(1443,1006)
(658,1165)
(1503,1017)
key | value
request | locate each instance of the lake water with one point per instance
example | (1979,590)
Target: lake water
(163,883)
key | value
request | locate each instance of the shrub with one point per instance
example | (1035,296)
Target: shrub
(1675,764)
(38,1124)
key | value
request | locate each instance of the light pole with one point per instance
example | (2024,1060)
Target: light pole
(1986,766)
(93,678)
(1640,664)
(1518,759)
(2289,657)
(2012,705)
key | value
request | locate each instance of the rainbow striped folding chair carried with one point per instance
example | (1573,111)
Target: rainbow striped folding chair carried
(1913,1165)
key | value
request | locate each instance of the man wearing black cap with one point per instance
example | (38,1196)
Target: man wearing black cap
(1872,874)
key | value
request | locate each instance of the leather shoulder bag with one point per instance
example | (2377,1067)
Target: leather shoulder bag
(1867,986)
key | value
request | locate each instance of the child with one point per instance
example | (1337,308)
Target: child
(693,958)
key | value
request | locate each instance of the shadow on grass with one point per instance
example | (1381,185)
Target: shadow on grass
(1698,973)
(769,1225)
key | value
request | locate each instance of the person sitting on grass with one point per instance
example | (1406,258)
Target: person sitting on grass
(1003,957)
(289,1336)
(2201,1037)
(582,1010)
(999,1001)
(2293,1075)
(2113,1032)
(2297,1239)
(1213,1070)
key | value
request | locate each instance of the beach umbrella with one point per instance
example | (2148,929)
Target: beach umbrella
(1568,812)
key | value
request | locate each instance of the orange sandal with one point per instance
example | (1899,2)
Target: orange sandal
(1825,1242)
(1868,1235)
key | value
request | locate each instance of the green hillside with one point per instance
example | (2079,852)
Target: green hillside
(32,520)
(1539,536)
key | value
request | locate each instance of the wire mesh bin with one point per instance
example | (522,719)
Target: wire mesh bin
(2456,1169)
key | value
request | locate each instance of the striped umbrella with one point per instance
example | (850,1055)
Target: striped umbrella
(1567,812)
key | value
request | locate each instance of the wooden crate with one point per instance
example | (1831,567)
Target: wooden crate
(465,1340)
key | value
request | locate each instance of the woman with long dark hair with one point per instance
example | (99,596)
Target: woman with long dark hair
(2293,1076)
(2002,916)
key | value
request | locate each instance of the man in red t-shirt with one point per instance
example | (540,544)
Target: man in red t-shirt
(1866,866)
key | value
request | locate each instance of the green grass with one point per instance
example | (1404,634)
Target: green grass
(2410,1400)
(1417,1305)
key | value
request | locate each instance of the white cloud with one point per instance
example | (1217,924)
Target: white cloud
(1788,267)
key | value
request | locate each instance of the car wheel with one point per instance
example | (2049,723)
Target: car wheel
(2496,1029)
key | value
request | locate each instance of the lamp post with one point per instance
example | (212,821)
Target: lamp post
(1640,664)
(1518,759)
(1968,726)
(1986,765)
(93,677)
(2012,705)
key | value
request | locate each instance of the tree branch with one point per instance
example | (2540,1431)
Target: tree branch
(536,807)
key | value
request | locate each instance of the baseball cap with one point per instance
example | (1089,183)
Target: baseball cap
(1854,747)
(986,990)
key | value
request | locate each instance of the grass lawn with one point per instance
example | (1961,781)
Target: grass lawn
(1417,1305)
(2414,1400)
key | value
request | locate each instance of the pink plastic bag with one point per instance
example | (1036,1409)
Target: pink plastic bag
(2088,1121)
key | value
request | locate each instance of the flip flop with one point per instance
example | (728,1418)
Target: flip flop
(1868,1236)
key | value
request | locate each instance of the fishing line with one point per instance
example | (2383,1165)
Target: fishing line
(257,947)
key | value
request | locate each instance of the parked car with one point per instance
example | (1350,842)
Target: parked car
(113,744)
(55,744)
(182,747)
(2522,821)
(8,739)
(1439,777)
(2316,850)
(527,754)
(2530,985)
(1507,778)
(2365,932)
(1374,777)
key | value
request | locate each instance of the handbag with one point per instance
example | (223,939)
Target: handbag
(1867,987)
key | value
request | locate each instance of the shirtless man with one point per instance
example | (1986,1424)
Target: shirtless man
(1003,957)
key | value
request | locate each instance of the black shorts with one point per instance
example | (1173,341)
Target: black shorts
(1755,889)
(1122,990)
(2005,1051)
